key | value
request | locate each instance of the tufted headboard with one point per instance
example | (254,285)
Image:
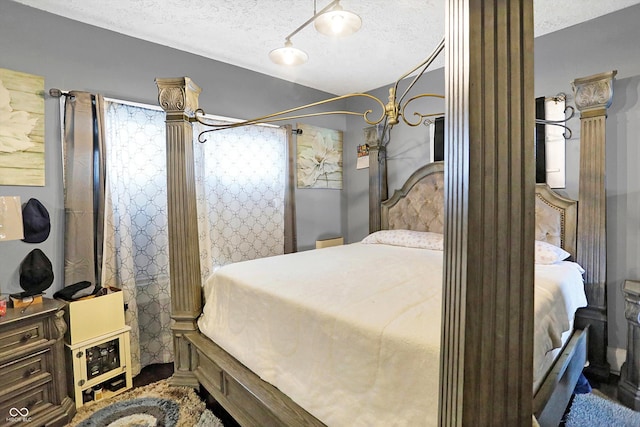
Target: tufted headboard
(419,205)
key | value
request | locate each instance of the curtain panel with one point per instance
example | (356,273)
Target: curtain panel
(242,177)
(84,175)
(116,207)
(136,234)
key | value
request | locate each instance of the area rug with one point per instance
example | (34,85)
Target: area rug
(156,404)
(596,410)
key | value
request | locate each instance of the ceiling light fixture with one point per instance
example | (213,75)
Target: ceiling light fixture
(337,22)
(332,20)
(288,55)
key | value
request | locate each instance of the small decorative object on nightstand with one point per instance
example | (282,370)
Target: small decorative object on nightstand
(32,366)
(98,348)
(629,386)
(325,243)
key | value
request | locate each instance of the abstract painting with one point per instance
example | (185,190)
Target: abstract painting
(21,128)
(319,157)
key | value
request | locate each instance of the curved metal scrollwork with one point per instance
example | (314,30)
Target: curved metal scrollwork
(390,112)
(287,115)
(420,116)
(569,113)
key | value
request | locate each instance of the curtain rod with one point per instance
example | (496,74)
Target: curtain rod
(57,93)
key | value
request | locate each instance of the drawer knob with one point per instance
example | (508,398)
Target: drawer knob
(32,370)
(27,336)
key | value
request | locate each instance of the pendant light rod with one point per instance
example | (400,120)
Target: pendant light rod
(331,20)
(310,20)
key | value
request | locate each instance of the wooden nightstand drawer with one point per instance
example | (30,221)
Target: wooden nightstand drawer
(21,338)
(35,399)
(19,373)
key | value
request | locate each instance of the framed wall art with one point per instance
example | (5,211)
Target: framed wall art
(21,128)
(319,157)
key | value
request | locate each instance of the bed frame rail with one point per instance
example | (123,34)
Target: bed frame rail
(552,398)
(251,401)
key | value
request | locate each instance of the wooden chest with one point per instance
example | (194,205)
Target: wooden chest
(32,366)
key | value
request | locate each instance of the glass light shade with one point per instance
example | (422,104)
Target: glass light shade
(337,22)
(288,55)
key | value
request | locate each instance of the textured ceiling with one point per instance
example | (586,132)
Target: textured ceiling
(395,35)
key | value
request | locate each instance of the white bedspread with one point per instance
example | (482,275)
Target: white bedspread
(352,333)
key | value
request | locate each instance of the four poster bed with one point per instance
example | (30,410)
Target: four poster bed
(273,349)
(337,329)
(370,353)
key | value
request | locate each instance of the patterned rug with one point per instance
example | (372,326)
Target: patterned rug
(156,404)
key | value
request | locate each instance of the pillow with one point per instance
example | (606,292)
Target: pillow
(407,238)
(546,253)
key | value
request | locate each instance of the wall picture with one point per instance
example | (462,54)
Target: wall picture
(319,157)
(21,128)
(372,138)
(362,162)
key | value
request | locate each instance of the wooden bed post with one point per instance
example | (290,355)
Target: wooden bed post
(593,96)
(487,345)
(179,99)
(377,182)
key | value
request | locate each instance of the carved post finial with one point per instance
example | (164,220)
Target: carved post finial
(593,94)
(178,95)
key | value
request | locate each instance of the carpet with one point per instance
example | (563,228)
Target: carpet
(156,404)
(596,410)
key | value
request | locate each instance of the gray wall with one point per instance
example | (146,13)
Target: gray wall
(607,43)
(71,55)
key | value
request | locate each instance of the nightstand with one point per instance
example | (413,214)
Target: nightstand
(97,347)
(629,385)
(32,366)
(103,362)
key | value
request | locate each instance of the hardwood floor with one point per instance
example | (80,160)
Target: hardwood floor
(152,373)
